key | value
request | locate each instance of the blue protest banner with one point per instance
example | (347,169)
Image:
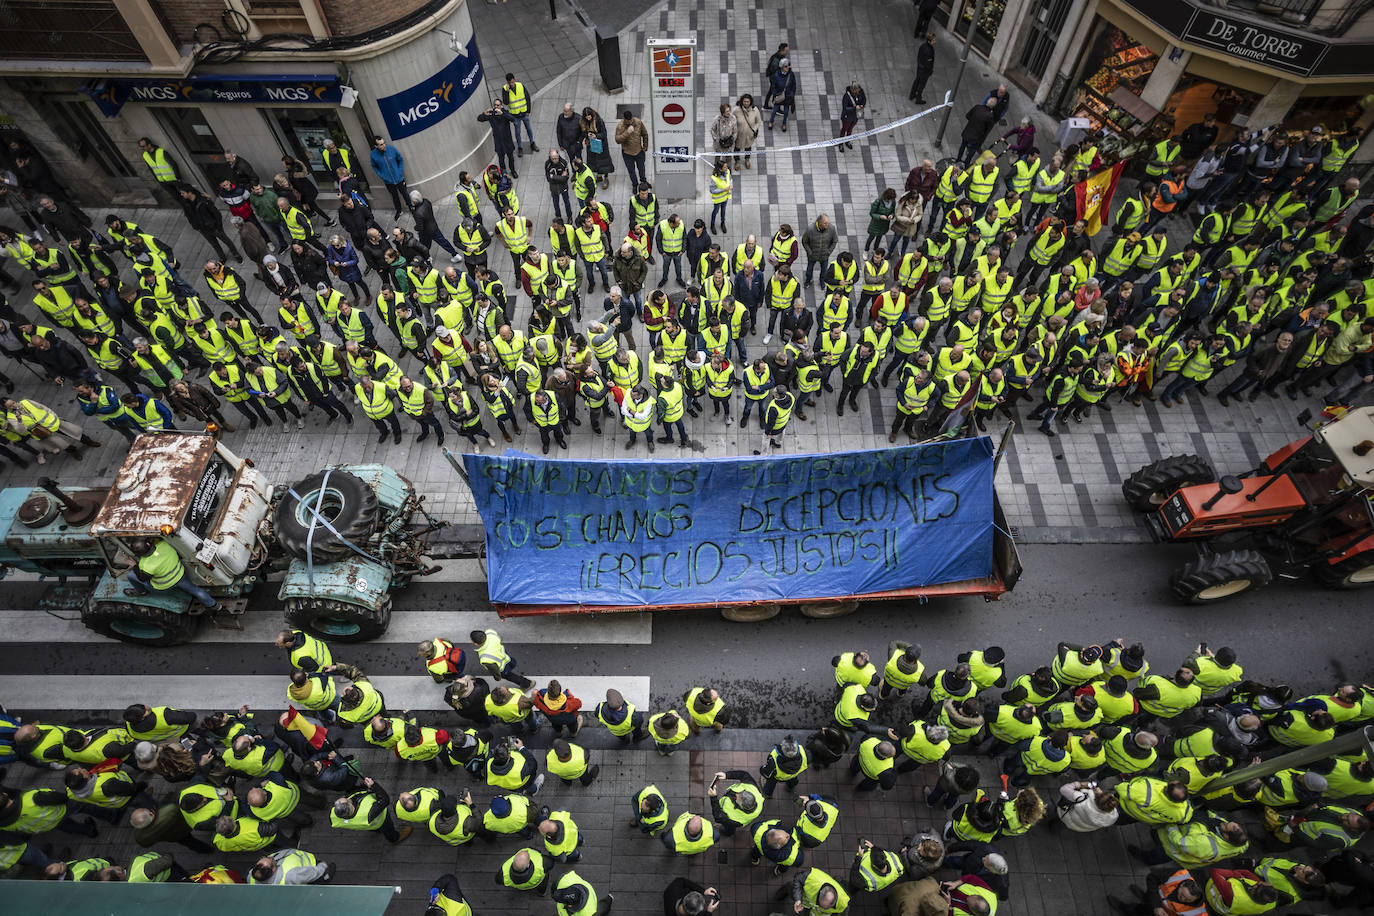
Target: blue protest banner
(630,533)
(426,104)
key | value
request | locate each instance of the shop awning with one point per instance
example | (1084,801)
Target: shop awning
(1133,105)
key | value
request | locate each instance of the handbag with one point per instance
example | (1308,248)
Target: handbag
(595,145)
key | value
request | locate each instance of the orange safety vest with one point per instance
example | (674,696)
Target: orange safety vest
(1175,188)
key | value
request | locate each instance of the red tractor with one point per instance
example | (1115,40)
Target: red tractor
(1307,507)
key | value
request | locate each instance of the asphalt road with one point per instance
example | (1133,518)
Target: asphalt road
(774,672)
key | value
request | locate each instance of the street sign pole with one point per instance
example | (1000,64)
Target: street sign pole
(673,117)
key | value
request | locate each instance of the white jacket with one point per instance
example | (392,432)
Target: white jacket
(1084,816)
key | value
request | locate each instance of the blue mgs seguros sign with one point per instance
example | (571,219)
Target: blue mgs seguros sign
(421,107)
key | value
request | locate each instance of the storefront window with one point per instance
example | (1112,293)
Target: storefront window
(1116,66)
(986,32)
(302,132)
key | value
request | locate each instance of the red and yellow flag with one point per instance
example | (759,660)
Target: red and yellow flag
(1094,196)
(313,733)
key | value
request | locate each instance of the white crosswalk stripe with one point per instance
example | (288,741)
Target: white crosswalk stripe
(406,626)
(19,692)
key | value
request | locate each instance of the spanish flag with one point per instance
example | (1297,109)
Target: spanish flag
(1094,196)
(313,732)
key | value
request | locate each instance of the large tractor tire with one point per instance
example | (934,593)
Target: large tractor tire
(1218,576)
(145,626)
(338,621)
(750,613)
(346,503)
(1151,486)
(1352,572)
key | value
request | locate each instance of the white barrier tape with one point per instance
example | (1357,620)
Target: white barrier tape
(821,144)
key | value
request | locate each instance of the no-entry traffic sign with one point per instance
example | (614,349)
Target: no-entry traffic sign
(674,113)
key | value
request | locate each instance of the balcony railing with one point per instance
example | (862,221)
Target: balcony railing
(1320,17)
(65,30)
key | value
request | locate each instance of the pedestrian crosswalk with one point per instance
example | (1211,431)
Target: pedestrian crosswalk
(125,679)
(406,626)
(225,690)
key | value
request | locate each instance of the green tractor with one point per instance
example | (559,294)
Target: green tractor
(342,539)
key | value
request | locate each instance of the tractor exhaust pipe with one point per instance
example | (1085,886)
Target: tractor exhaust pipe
(1229,485)
(49,486)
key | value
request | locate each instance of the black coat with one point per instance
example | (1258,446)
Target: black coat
(791,321)
(925,58)
(426,226)
(310,267)
(568,130)
(60,360)
(980,118)
(356,220)
(203,215)
(849,105)
(502,129)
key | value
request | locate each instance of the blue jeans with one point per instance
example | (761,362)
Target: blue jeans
(566,198)
(1179,387)
(718,208)
(784,107)
(811,266)
(935,206)
(445,244)
(676,261)
(529,132)
(605,274)
(142,586)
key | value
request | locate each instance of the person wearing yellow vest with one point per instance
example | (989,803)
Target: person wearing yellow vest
(160,568)
(691,834)
(721,189)
(816,892)
(49,433)
(574,896)
(368,810)
(874,869)
(92,869)
(705,709)
(377,404)
(517,100)
(299,225)
(875,758)
(443,660)
(163,166)
(290,866)
(492,656)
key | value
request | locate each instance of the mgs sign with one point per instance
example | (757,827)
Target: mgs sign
(426,104)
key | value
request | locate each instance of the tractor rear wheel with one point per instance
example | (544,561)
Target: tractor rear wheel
(338,621)
(1151,486)
(1218,576)
(346,502)
(1352,572)
(135,623)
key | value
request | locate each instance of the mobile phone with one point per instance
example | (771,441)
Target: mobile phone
(723,856)
(714,781)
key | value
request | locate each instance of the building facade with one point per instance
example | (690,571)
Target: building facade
(1255,63)
(82,80)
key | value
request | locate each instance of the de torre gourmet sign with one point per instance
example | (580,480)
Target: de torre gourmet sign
(1281,50)
(1257,41)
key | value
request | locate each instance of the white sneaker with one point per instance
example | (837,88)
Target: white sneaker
(300,423)
(729,421)
(766,338)
(41,459)
(538,783)
(456,259)
(491,443)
